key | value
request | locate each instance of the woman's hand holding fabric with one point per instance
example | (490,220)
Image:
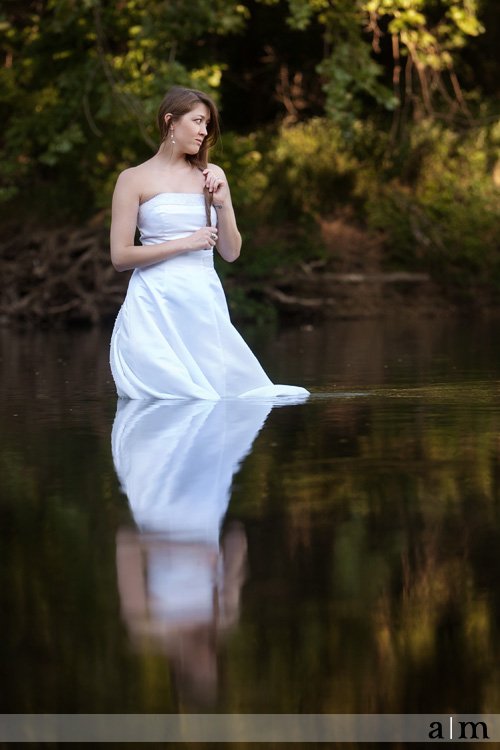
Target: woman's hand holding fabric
(203,238)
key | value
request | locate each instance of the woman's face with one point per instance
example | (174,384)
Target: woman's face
(190,130)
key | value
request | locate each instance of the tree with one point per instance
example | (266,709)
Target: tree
(81,83)
(81,79)
(416,41)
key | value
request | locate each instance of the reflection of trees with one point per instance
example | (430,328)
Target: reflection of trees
(388,554)
(63,375)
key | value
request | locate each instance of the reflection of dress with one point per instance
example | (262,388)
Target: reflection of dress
(176,462)
(173,337)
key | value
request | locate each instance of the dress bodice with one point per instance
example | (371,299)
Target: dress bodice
(170,216)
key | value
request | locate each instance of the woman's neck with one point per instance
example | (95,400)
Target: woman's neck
(167,157)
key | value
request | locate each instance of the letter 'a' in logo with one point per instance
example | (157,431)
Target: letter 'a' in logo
(436,732)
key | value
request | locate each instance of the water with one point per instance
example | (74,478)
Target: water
(358,560)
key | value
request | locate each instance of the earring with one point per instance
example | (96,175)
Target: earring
(172,136)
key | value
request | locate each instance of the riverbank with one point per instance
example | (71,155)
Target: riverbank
(56,277)
(352,280)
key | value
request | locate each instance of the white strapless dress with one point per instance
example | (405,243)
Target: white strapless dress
(173,337)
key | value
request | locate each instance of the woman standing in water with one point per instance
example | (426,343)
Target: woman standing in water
(173,337)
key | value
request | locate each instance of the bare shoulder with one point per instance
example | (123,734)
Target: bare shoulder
(132,184)
(127,192)
(129,179)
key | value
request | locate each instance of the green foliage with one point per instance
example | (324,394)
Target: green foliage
(277,207)
(314,167)
(425,35)
(245,160)
(433,197)
(81,81)
(279,182)
(294,173)
(351,73)
(80,89)
(446,216)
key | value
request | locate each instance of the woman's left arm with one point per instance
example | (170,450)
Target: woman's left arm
(229,240)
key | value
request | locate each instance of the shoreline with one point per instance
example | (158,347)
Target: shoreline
(60,277)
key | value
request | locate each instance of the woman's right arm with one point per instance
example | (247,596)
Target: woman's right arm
(125,255)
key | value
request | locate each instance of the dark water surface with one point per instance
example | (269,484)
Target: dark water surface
(358,564)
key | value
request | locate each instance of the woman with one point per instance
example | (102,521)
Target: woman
(173,337)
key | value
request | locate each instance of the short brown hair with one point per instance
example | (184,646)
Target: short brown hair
(178,101)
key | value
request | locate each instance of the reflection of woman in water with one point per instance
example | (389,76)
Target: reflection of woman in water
(200,601)
(173,337)
(179,587)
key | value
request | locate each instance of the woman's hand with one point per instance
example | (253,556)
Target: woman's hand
(203,238)
(216,183)
(229,238)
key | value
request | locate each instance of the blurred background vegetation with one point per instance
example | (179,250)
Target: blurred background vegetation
(385,113)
